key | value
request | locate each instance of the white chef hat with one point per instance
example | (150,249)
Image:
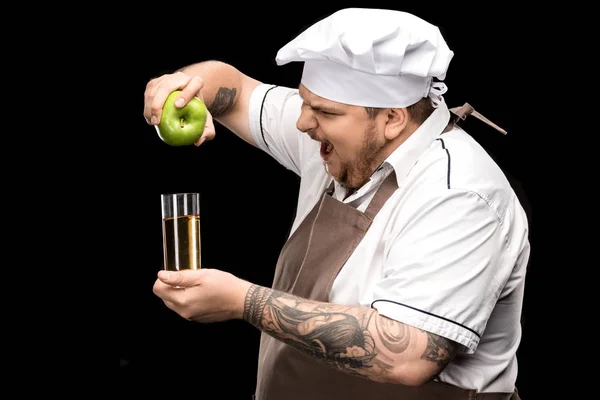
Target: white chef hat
(371,58)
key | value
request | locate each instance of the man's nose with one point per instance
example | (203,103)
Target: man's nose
(306,121)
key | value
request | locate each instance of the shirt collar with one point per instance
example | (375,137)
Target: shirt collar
(408,153)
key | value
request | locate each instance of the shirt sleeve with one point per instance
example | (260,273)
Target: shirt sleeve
(274,111)
(444,270)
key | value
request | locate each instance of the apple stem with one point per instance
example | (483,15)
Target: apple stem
(182,122)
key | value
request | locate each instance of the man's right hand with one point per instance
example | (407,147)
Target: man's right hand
(158,89)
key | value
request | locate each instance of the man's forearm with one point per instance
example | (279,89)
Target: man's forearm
(356,340)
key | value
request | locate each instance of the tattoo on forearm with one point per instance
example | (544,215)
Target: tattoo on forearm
(334,337)
(439,350)
(223,101)
(333,334)
(255,302)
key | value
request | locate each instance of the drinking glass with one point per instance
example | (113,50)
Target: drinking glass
(181,231)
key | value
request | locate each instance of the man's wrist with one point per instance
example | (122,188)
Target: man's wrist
(254,303)
(246,288)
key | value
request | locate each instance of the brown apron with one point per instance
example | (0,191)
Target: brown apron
(308,264)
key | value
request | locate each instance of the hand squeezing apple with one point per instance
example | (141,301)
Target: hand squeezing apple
(182,126)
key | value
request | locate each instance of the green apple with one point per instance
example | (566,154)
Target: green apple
(182,126)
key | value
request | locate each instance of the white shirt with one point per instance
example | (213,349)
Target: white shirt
(448,251)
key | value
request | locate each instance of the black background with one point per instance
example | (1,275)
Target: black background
(248,200)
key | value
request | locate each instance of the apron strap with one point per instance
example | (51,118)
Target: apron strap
(461,113)
(386,189)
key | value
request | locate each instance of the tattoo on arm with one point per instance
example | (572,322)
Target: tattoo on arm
(333,337)
(334,334)
(223,101)
(439,350)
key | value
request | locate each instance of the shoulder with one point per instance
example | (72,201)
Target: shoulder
(273,96)
(272,107)
(456,163)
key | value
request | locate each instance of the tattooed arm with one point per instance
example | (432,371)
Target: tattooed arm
(355,340)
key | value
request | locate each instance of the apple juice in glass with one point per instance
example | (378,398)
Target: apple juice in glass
(181,231)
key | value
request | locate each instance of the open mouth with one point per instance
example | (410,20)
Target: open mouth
(326,149)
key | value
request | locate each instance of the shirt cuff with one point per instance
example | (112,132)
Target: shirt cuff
(428,322)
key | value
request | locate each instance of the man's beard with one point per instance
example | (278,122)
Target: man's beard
(355,173)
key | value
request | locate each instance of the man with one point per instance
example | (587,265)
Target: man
(403,275)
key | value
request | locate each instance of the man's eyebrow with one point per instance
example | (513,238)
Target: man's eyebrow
(331,108)
(325,108)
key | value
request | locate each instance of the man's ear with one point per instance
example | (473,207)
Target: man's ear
(397,120)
